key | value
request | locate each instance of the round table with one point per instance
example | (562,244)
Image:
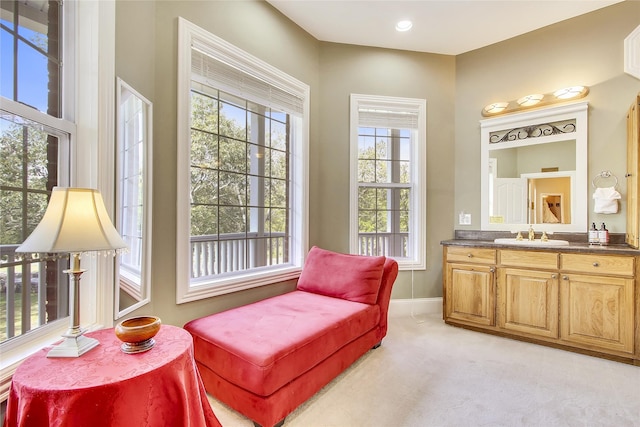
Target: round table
(106,387)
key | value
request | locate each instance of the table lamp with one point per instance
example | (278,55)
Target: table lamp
(75,222)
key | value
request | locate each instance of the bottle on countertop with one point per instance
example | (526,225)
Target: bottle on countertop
(593,235)
(603,235)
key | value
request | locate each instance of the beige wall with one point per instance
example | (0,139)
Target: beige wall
(586,50)
(346,69)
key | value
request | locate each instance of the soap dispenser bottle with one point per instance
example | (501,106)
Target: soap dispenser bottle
(603,235)
(593,235)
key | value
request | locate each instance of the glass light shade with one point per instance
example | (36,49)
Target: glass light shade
(75,221)
(404,25)
(570,92)
(496,107)
(529,100)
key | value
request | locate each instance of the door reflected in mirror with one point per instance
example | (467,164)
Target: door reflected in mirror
(551,200)
(133,195)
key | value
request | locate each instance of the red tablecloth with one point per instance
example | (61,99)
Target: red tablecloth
(106,387)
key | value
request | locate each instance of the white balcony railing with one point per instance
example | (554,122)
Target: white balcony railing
(227,253)
(387,244)
(23,292)
(213,254)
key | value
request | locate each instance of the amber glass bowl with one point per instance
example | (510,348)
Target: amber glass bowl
(137,333)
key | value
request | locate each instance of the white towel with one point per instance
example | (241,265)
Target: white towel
(606,200)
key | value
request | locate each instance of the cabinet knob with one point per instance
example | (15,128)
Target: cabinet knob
(554,276)
(565,277)
(492,270)
(595,264)
(469,255)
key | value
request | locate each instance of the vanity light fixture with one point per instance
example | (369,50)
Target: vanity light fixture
(404,26)
(538,100)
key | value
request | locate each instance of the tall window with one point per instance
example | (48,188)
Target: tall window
(34,157)
(388,178)
(242,170)
(134,149)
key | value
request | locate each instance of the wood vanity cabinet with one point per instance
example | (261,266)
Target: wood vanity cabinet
(597,302)
(589,302)
(528,293)
(470,286)
(633,170)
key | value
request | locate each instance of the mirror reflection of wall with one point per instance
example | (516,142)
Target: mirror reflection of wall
(133,194)
(556,156)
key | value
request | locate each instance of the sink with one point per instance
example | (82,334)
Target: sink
(525,242)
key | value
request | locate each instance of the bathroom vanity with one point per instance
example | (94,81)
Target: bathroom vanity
(576,297)
(562,292)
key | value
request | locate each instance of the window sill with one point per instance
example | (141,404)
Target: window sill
(234,284)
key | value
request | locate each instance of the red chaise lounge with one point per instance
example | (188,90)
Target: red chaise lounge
(266,358)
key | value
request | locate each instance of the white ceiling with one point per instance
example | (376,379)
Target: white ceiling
(447,27)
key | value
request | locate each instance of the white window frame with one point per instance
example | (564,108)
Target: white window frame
(89,118)
(135,279)
(418,206)
(187,289)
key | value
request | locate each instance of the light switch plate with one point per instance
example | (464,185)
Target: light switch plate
(465,219)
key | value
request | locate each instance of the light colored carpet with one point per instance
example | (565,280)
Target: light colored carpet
(427,373)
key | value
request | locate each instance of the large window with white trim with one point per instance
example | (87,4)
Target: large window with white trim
(388,145)
(35,134)
(241,169)
(49,52)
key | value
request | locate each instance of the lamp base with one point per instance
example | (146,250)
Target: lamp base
(73,347)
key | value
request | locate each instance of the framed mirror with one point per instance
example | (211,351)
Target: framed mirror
(534,170)
(133,198)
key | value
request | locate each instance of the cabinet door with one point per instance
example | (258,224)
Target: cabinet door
(633,169)
(597,312)
(528,301)
(470,294)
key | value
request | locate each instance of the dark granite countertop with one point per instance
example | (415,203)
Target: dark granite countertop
(577,243)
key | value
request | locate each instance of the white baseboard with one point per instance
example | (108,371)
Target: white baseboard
(407,307)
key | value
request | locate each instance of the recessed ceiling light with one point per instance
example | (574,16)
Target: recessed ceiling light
(404,25)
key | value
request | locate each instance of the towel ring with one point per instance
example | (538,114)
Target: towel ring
(604,175)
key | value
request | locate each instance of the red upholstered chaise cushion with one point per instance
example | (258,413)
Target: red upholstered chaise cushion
(351,277)
(263,346)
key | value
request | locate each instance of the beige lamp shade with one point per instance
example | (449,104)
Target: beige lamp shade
(75,221)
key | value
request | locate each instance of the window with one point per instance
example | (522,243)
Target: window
(388,185)
(134,197)
(241,169)
(34,157)
(51,137)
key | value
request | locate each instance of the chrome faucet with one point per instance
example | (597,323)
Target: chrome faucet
(532,234)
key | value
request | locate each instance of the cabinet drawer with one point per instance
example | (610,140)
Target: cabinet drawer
(596,263)
(475,255)
(529,259)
